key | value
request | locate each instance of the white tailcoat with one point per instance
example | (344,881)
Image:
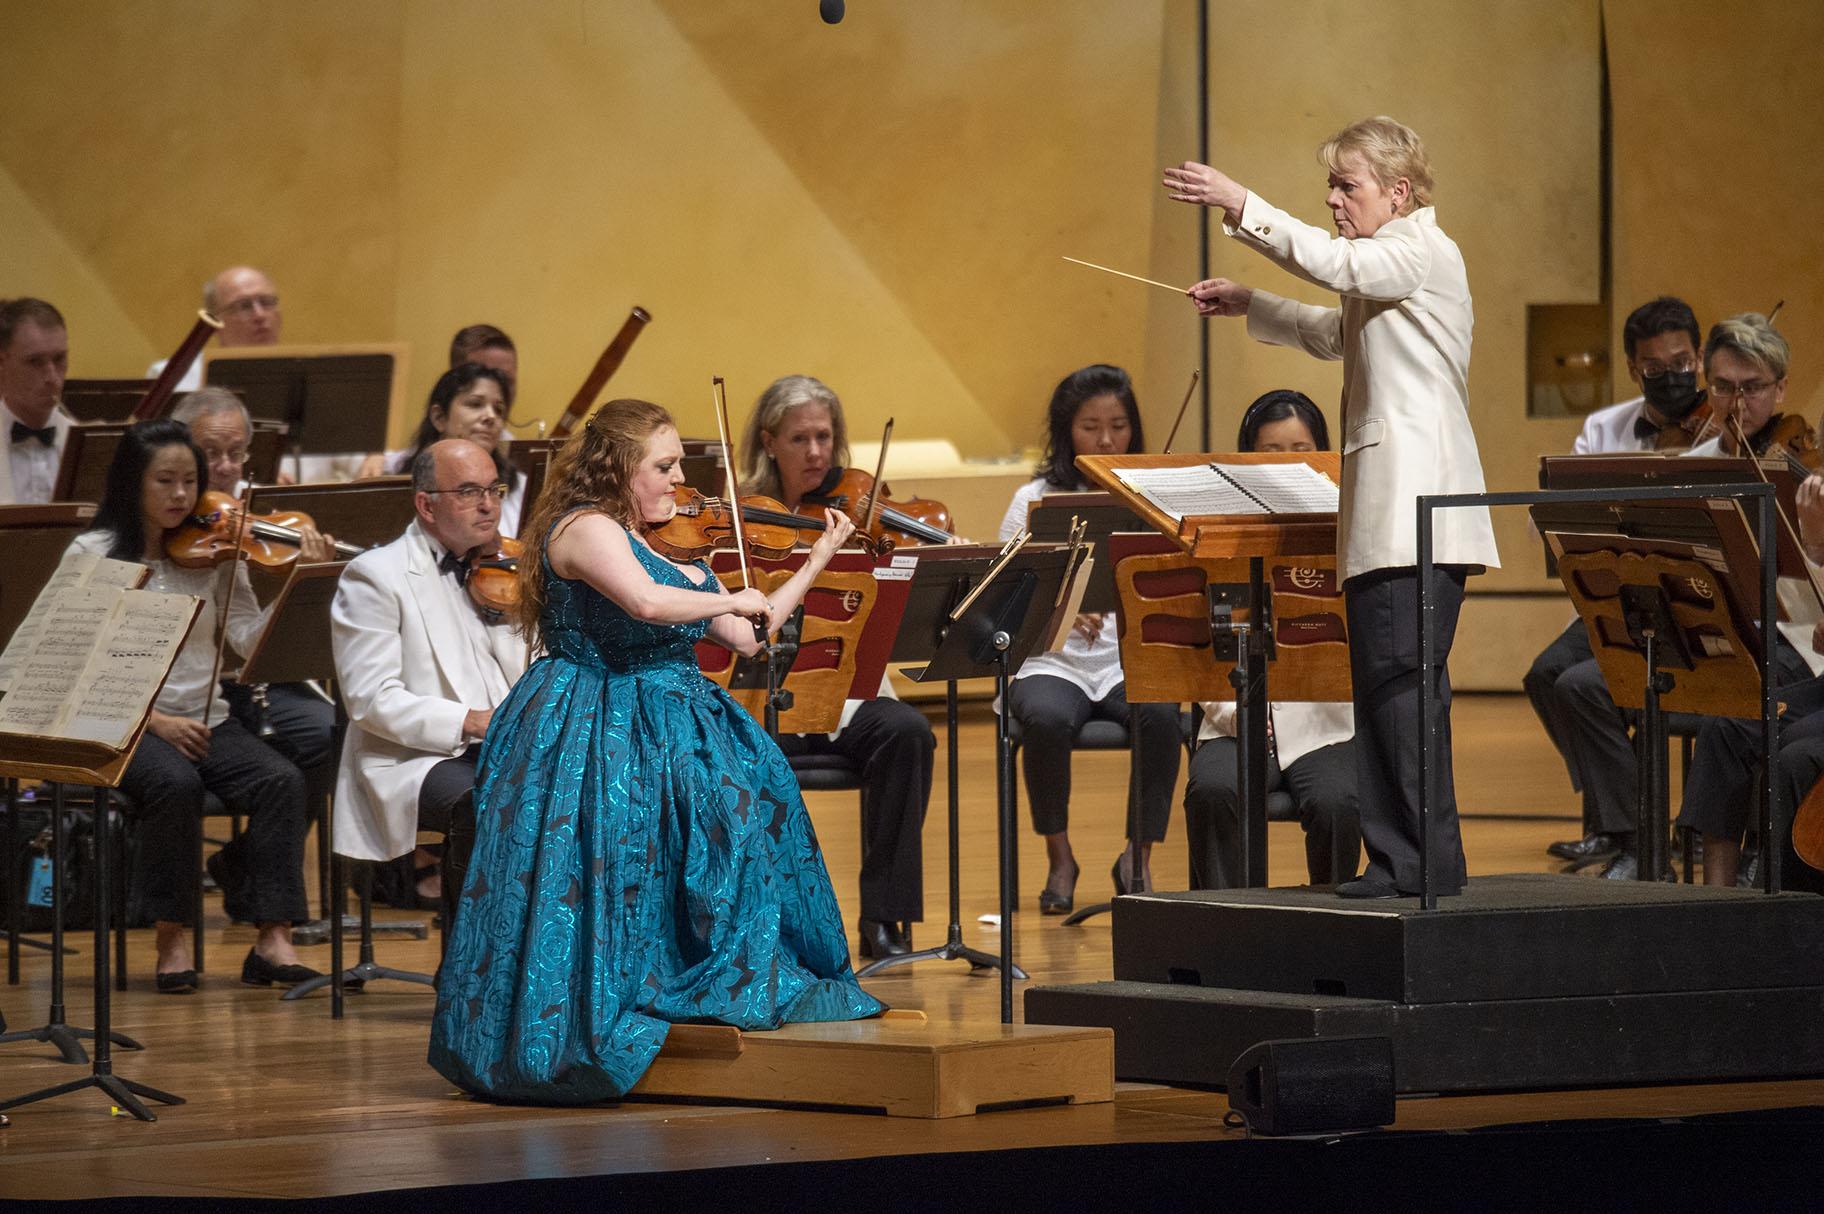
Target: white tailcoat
(408,673)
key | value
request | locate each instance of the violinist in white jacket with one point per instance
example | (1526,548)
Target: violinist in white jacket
(1403,335)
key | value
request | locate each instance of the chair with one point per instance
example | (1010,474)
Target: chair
(837,773)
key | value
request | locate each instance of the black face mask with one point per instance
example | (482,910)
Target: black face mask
(1672,395)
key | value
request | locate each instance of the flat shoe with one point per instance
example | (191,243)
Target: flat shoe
(1366,887)
(257,971)
(178,982)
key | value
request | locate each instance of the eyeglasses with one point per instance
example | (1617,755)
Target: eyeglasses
(470,495)
(239,455)
(247,303)
(1754,389)
(1652,368)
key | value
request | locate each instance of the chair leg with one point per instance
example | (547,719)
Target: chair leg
(196,901)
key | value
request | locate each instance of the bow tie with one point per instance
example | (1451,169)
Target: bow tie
(47,436)
(455,566)
(1645,429)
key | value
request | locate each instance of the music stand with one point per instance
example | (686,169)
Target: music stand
(532,458)
(993,632)
(334,398)
(1050,517)
(104,400)
(360,514)
(34,538)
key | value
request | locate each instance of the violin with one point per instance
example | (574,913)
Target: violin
(218,529)
(1689,430)
(493,582)
(880,527)
(1791,437)
(701,524)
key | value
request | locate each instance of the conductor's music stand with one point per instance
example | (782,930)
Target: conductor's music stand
(966,634)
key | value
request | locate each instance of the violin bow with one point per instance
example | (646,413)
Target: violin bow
(1196,375)
(1747,452)
(224,604)
(719,398)
(874,496)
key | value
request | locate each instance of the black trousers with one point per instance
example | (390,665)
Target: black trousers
(265,865)
(893,745)
(1051,710)
(1605,748)
(1384,664)
(1571,647)
(302,724)
(1722,795)
(1322,785)
(446,805)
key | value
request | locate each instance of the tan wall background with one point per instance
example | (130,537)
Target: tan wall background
(885,203)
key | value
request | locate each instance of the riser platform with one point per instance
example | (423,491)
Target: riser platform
(1190,1035)
(1525,936)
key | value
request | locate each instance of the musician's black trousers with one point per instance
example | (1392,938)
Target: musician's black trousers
(1571,647)
(446,805)
(1051,710)
(265,866)
(1322,786)
(1384,664)
(893,745)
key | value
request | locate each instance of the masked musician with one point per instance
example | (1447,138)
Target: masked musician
(191,744)
(34,359)
(420,671)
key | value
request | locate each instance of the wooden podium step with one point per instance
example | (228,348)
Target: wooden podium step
(898,1063)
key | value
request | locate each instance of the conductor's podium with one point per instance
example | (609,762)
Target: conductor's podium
(897,1063)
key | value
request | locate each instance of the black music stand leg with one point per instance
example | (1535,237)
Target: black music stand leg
(366,969)
(15,909)
(123,1091)
(953,948)
(1003,757)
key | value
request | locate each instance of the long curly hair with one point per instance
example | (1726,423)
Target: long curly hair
(594,469)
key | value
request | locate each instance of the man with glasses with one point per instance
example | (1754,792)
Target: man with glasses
(247,304)
(293,718)
(420,671)
(1660,339)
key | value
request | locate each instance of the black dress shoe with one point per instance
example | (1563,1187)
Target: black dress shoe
(178,982)
(1592,845)
(1052,902)
(257,971)
(1367,887)
(1626,867)
(1123,872)
(881,939)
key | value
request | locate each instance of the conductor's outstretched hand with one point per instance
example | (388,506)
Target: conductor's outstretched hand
(1221,297)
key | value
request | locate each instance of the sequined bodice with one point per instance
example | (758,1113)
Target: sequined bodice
(583,626)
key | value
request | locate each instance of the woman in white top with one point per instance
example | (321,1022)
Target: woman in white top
(191,744)
(1093,412)
(1310,748)
(470,401)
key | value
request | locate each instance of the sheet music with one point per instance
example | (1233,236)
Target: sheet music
(75,570)
(1191,490)
(129,664)
(67,636)
(1285,488)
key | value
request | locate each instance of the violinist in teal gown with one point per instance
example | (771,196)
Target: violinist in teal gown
(643,855)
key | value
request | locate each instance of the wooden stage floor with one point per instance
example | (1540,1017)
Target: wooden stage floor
(284,1102)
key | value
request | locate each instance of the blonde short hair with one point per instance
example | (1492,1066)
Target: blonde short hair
(1753,337)
(1391,150)
(759,474)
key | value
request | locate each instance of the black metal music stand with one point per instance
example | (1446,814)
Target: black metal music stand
(360,514)
(994,634)
(334,398)
(123,1091)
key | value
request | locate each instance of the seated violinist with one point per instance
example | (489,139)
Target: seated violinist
(795,437)
(1311,746)
(191,744)
(292,717)
(420,670)
(470,401)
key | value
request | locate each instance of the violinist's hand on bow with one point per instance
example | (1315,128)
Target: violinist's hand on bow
(1810,502)
(837,528)
(750,603)
(1088,626)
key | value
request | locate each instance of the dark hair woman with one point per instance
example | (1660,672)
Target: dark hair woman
(470,401)
(191,745)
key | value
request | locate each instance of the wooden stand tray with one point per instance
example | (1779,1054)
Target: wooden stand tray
(897,1063)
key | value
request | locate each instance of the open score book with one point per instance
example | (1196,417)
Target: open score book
(1203,489)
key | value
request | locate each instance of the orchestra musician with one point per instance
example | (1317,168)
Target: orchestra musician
(191,744)
(1403,335)
(420,671)
(34,359)
(645,857)
(299,721)
(1310,749)
(487,345)
(1052,696)
(794,439)
(1661,340)
(470,401)
(247,304)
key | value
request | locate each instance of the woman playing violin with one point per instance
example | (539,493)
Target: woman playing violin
(191,745)
(794,438)
(643,855)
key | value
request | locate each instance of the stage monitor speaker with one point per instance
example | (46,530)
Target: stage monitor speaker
(1309,1085)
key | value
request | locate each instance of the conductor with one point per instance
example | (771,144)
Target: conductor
(1403,335)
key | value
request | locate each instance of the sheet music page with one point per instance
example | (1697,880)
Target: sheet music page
(129,664)
(66,638)
(1285,488)
(76,569)
(1192,490)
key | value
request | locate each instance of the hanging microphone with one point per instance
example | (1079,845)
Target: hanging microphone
(830,11)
